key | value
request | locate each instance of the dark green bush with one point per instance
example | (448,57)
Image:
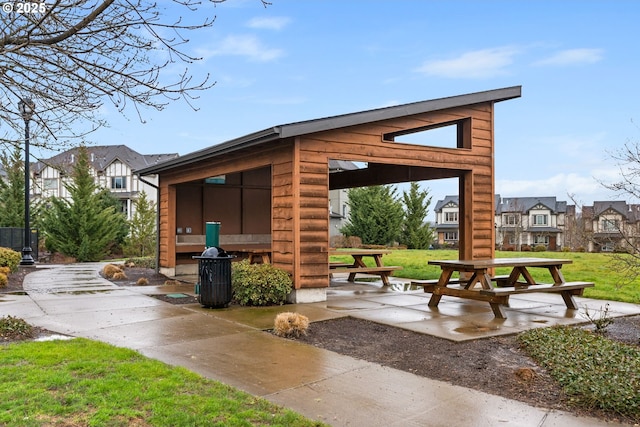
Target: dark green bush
(10,258)
(595,372)
(259,284)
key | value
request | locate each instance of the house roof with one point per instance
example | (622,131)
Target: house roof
(456,200)
(101,156)
(335,122)
(525,204)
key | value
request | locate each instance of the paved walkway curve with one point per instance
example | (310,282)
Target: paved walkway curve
(228,345)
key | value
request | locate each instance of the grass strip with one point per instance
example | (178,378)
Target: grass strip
(88,383)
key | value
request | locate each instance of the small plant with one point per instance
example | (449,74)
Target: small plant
(290,325)
(259,284)
(110,270)
(171,282)
(4,280)
(12,328)
(10,258)
(143,281)
(600,321)
(119,275)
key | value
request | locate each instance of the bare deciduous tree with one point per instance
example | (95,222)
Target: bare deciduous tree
(73,56)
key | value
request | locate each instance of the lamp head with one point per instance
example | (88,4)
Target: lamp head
(27,107)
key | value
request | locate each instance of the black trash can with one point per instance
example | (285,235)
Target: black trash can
(214,273)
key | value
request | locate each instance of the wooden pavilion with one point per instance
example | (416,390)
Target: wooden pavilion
(271,188)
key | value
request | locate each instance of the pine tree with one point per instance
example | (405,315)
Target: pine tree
(12,190)
(82,227)
(142,229)
(416,233)
(375,215)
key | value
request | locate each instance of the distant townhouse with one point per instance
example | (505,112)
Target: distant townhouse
(612,225)
(111,166)
(338,199)
(520,222)
(530,221)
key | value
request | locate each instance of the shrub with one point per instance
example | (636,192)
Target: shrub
(259,284)
(143,281)
(142,262)
(290,325)
(539,248)
(120,275)
(15,328)
(3,280)
(10,258)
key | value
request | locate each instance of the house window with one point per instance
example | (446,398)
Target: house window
(50,184)
(607,247)
(540,239)
(510,220)
(609,225)
(512,239)
(540,219)
(451,217)
(451,236)
(119,182)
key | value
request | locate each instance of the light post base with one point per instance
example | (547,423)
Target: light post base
(27,259)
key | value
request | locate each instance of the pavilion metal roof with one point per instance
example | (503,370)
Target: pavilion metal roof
(335,122)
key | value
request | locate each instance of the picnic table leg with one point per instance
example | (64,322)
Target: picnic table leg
(498,310)
(443,281)
(567,296)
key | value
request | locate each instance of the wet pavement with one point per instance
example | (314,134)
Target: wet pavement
(230,345)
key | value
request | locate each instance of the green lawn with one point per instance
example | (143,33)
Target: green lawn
(87,383)
(590,267)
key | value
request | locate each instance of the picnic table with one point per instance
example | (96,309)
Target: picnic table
(358,265)
(496,290)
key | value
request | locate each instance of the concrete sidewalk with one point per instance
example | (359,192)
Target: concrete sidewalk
(229,345)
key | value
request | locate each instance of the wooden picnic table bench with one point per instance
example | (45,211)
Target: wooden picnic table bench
(498,295)
(359,267)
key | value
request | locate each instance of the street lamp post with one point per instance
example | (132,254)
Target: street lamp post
(26,107)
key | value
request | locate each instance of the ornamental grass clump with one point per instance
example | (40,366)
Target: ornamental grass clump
(290,325)
(110,271)
(259,284)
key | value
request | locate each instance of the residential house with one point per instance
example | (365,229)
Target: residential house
(520,222)
(339,199)
(447,222)
(611,225)
(111,166)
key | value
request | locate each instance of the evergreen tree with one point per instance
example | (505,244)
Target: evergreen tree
(12,190)
(416,233)
(81,227)
(142,229)
(376,215)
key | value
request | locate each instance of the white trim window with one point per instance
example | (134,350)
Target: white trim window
(540,219)
(510,219)
(118,182)
(451,236)
(451,217)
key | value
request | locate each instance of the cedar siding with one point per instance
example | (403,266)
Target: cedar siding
(293,179)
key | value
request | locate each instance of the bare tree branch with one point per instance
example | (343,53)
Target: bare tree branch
(74,55)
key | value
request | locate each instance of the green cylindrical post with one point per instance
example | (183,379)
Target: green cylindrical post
(213,234)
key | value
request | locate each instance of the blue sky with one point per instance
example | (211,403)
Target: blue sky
(578,64)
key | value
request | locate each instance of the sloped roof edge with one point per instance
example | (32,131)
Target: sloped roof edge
(336,122)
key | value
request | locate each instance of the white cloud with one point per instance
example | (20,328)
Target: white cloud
(473,65)
(246,46)
(273,23)
(585,188)
(572,57)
